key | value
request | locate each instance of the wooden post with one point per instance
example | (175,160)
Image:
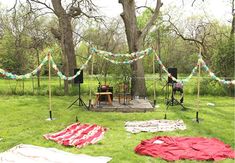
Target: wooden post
(92,69)
(38,73)
(23,85)
(49,85)
(154,84)
(198,89)
(33,84)
(159,52)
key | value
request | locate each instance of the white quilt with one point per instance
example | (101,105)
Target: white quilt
(154,126)
(24,153)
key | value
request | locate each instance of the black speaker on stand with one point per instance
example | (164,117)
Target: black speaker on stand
(173,72)
(78,81)
(79,78)
(170,83)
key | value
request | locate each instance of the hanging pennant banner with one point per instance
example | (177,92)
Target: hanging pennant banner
(62,76)
(25,76)
(212,75)
(183,81)
(108,55)
(132,55)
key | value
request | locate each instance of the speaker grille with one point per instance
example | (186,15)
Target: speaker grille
(79,78)
(173,72)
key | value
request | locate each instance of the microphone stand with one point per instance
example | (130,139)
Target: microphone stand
(125,87)
(99,90)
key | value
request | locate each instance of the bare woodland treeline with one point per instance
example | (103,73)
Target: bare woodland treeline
(29,29)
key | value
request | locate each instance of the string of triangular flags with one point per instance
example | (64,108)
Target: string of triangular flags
(111,57)
(25,76)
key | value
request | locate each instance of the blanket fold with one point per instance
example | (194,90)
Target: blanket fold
(191,148)
(78,135)
(25,153)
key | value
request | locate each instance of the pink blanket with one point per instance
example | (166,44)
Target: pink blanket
(192,148)
(78,135)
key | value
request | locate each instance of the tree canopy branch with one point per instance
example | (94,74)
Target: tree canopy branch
(195,1)
(42,3)
(149,8)
(178,33)
(152,19)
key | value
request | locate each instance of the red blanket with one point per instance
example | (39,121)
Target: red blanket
(78,135)
(176,148)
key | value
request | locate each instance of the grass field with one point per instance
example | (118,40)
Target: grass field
(22,120)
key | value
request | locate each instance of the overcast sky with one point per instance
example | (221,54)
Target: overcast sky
(218,9)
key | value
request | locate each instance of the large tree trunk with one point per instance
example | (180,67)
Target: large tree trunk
(67,42)
(138,87)
(233,20)
(65,29)
(233,26)
(135,39)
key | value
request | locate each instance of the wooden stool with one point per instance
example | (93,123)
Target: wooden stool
(108,94)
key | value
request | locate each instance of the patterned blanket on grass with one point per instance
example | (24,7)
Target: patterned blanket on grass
(25,153)
(78,135)
(154,126)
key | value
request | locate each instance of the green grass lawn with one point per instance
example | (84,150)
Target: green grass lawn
(22,120)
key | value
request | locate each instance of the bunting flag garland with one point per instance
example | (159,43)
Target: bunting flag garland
(132,55)
(126,61)
(164,69)
(60,74)
(212,75)
(136,56)
(25,76)
(191,75)
(206,68)
(109,57)
(183,81)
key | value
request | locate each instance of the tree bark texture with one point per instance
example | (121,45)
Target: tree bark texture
(135,39)
(233,20)
(65,28)
(233,26)
(138,87)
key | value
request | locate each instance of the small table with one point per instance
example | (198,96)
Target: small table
(108,94)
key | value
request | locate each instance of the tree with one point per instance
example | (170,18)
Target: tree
(135,37)
(196,30)
(65,12)
(233,19)
(223,60)
(40,38)
(112,40)
(16,40)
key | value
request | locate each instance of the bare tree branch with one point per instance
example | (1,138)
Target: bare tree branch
(233,9)
(149,8)
(82,37)
(42,3)
(196,41)
(152,19)
(195,1)
(14,7)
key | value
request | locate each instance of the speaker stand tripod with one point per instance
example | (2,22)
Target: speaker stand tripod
(79,99)
(173,100)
